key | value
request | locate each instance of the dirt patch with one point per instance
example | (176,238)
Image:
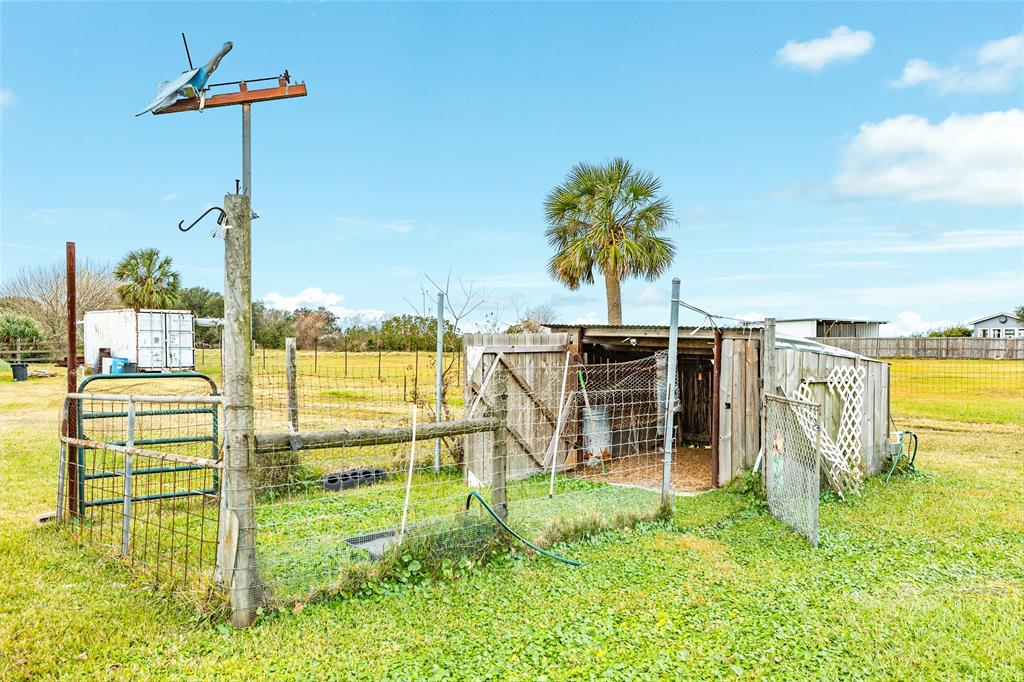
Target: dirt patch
(691,470)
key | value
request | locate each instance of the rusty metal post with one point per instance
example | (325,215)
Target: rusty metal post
(716,395)
(72,479)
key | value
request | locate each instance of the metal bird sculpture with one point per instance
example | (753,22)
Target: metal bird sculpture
(189,84)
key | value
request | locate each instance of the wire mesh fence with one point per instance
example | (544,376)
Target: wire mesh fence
(978,390)
(792,464)
(338,478)
(142,481)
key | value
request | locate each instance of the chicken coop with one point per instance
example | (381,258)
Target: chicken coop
(591,396)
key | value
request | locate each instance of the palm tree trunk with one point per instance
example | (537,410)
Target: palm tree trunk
(614,295)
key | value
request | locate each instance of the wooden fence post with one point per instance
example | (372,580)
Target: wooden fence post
(499,500)
(238,522)
(293,392)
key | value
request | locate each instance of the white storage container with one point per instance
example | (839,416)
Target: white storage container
(156,340)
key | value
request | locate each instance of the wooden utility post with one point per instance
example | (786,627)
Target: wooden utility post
(72,477)
(240,553)
(293,391)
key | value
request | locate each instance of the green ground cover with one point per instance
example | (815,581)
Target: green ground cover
(921,578)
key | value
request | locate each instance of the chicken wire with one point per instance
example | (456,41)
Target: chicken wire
(792,465)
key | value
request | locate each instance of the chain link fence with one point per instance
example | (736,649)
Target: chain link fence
(792,464)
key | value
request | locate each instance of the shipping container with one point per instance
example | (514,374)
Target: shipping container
(156,340)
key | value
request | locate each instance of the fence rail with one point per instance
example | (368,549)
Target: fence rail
(30,352)
(944,347)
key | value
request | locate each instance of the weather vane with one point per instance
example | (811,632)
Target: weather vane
(191,91)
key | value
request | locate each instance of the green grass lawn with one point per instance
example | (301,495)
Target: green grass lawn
(921,578)
(960,390)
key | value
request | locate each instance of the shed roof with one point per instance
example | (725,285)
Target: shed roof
(834,320)
(661,332)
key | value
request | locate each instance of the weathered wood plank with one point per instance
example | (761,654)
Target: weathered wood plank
(350,438)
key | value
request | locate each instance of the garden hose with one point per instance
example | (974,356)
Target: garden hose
(910,457)
(517,536)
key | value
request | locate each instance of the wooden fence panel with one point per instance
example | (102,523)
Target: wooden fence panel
(963,348)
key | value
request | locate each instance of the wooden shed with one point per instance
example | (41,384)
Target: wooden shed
(720,383)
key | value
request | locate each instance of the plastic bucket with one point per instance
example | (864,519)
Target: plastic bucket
(118,365)
(19,370)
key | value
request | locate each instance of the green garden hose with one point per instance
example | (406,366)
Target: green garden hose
(517,536)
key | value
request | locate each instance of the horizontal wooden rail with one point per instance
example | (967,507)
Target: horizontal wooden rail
(141,452)
(352,438)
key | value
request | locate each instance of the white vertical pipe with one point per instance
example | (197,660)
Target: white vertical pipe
(408,481)
(670,385)
(553,446)
(437,380)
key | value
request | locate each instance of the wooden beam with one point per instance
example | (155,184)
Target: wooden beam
(353,438)
(284,90)
(140,452)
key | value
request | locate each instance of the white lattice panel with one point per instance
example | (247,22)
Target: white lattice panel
(847,383)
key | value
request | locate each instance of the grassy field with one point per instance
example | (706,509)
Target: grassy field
(921,578)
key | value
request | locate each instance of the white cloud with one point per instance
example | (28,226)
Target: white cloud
(882,243)
(399,226)
(969,159)
(751,317)
(997,66)
(589,318)
(813,55)
(984,291)
(315,297)
(7,98)
(908,322)
(171,196)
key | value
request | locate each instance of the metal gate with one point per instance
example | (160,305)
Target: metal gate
(139,474)
(792,463)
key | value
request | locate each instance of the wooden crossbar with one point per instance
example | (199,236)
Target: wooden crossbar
(284,90)
(352,438)
(141,452)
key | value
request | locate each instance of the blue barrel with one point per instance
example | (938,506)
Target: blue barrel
(118,365)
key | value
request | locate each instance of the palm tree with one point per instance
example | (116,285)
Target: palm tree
(147,280)
(608,217)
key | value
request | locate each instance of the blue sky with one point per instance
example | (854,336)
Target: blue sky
(822,159)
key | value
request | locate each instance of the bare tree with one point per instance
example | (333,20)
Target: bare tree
(532,319)
(41,293)
(461,300)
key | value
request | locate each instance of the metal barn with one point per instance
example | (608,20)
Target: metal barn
(720,384)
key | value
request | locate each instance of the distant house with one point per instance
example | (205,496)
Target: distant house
(998,326)
(825,328)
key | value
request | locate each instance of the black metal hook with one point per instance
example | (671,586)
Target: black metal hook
(220,219)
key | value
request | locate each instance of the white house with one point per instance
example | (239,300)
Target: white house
(998,326)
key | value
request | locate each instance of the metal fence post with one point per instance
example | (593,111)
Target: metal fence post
(290,375)
(238,524)
(670,394)
(499,500)
(126,509)
(73,478)
(437,387)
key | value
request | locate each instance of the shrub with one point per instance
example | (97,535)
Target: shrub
(19,327)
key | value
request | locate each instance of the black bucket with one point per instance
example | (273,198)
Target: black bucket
(19,370)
